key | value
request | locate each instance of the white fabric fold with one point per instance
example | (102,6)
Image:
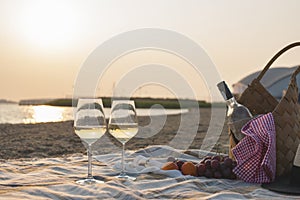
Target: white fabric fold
(142,165)
(150,160)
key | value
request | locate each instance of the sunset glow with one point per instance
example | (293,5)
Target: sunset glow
(44,43)
(38,114)
(48,24)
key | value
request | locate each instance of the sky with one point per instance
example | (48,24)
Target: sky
(44,44)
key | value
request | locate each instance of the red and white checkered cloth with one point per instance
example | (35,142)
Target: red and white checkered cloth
(256,152)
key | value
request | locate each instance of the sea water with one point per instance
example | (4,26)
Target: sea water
(14,113)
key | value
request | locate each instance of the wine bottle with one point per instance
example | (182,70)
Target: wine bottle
(237,114)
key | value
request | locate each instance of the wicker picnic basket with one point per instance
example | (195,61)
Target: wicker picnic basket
(286,114)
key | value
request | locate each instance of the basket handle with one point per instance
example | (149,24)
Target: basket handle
(296,72)
(262,73)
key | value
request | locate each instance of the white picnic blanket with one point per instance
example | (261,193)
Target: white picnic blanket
(54,178)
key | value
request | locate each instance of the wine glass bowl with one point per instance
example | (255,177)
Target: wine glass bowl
(123,126)
(89,125)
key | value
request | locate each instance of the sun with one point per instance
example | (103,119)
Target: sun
(49,23)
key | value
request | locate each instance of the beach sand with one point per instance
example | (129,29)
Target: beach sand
(58,138)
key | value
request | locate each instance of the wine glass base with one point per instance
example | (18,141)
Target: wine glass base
(89,181)
(125,177)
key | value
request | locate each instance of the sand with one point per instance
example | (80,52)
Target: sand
(58,138)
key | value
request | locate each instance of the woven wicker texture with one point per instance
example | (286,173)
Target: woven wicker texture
(232,144)
(287,125)
(286,114)
(257,99)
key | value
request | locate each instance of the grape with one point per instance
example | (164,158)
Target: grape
(226,173)
(217,174)
(218,158)
(228,162)
(225,157)
(207,157)
(208,163)
(215,164)
(208,173)
(179,163)
(222,166)
(204,159)
(201,169)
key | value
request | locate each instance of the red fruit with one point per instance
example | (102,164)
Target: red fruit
(169,166)
(215,164)
(207,157)
(188,168)
(218,158)
(201,169)
(204,159)
(226,173)
(208,173)
(222,166)
(228,162)
(179,163)
(217,174)
(208,163)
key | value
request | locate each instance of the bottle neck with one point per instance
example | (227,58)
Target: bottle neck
(232,102)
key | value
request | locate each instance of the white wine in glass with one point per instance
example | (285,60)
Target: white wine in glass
(123,132)
(89,125)
(123,125)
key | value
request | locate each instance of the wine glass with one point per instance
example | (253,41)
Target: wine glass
(123,126)
(89,125)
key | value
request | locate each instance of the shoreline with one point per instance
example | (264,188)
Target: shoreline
(140,102)
(53,139)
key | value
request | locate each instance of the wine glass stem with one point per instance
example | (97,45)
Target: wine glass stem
(123,155)
(89,152)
